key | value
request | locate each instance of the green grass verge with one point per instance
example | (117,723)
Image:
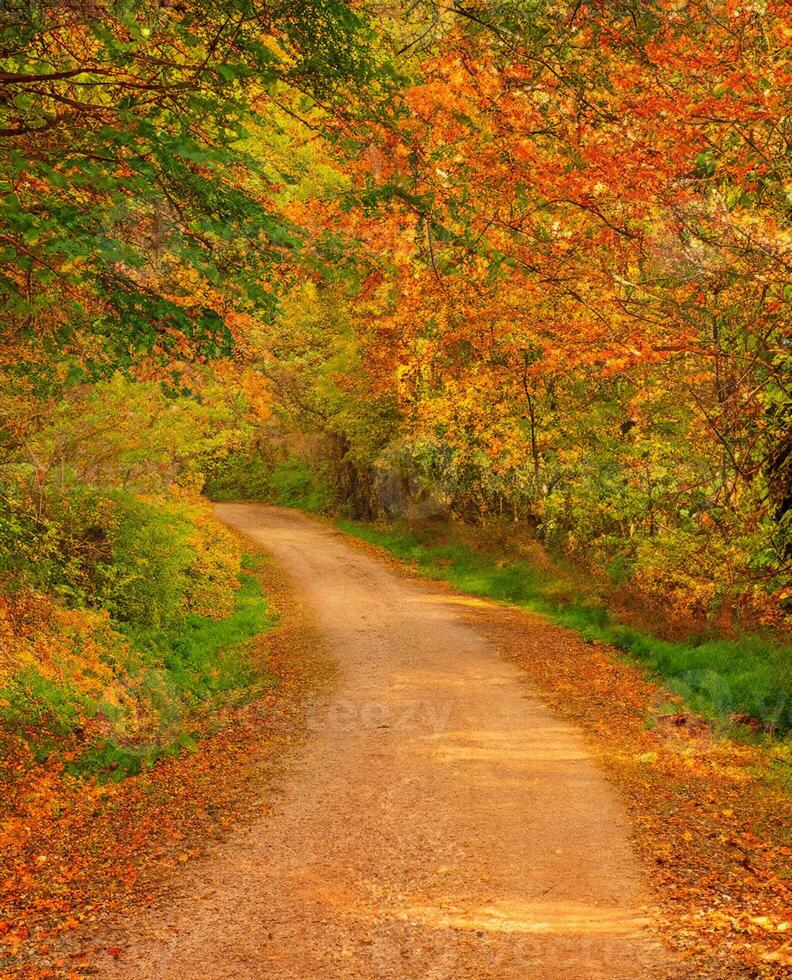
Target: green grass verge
(198,667)
(718,677)
(177,677)
(207,660)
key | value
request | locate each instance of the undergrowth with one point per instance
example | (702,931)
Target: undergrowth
(172,678)
(291,482)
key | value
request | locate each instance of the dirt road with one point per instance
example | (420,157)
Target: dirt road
(441,823)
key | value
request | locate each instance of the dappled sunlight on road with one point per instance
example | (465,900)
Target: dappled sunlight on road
(453,600)
(482,747)
(575,918)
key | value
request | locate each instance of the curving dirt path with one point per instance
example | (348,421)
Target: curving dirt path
(441,822)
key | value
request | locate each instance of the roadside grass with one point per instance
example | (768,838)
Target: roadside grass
(748,677)
(197,668)
(175,679)
(208,660)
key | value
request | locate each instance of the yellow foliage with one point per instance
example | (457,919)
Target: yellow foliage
(75,648)
(215,569)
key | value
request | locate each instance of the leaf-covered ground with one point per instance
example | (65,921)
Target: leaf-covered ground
(77,853)
(711,815)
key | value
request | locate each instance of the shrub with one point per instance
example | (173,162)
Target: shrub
(295,483)
(145,580)
(212,576)
(65,673)
(243,474)
(146,560)
(71,683)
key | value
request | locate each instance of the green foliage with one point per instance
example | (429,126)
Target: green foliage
(249,475)
(296,483)
(206,659)
(169,678)
(33,701)
(141,435)
(720,677)
(146,579)
(109,548)
(197,666)
(243,475)
(134,138)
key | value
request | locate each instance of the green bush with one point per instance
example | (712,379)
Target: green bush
(32,701)
(242,475)
(247,475)
(123,701)
(146,578)
(104,548)
(199,665)
(295,483)
(147,561)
